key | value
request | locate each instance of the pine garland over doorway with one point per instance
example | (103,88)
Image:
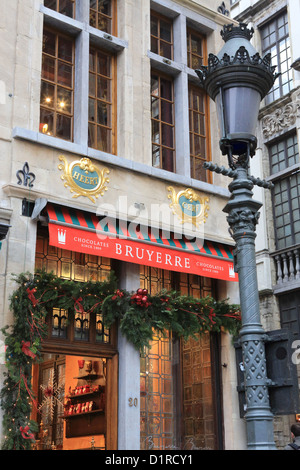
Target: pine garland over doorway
(138,315)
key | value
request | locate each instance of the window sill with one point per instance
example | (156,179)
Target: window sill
(165,65)
(74,27)
(116,161)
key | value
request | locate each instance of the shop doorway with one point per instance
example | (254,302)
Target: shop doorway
(181,388)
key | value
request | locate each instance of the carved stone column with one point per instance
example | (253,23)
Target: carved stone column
(242,217)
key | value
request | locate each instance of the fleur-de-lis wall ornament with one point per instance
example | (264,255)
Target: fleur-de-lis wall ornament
(25,176)
(222,9)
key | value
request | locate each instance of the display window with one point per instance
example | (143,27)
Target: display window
(72,402)
(76,382)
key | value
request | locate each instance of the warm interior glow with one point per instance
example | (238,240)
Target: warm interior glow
(75,387)
(44,128)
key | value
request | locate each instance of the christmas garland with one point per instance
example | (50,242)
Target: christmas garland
(138,315)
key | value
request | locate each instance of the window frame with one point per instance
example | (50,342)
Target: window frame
(54,83)
(57,9)
(111,127)
(284,175)
(206,136)
(158,39)
(270,98)
(53,259)
(67,345)
(189,33)
(161,123)
(112,18)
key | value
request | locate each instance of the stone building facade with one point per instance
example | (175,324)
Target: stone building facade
(101,115)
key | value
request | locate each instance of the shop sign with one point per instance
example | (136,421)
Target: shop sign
(189,206)
(137,252)
(84,178)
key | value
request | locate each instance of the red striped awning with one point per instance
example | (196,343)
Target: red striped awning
(84,232)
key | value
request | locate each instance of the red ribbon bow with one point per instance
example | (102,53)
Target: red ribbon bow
(26,434)
(31,296)
(78,307)
(26,349)
(212,314)
(118,294)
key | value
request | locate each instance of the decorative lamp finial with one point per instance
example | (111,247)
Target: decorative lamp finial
(230,31)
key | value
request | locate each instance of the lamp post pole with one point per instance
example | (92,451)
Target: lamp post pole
(237,79)
(242,217)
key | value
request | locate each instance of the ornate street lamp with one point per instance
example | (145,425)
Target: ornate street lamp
(237,79)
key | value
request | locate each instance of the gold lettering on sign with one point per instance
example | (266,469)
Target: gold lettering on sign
(84,178)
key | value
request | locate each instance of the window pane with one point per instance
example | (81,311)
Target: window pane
(167,159)
(65,74)
(64,100)
(154,45)
(103,113)
(154,85)
(199,170)
(165,50)
(92,110)
(154,26)
(194,50)
(59,323)
(81,327)
(166,89)
(275,40)
(100,101)
(198,137)
(63,127)
(166,31)
(66,7)
(102,334)
(65,49)
(166,111)
(156,156)
(92,84)
(196,45)
(49,41)
(161,36)
(57,67)
(50,4)
(104,7)
(101,15)
(48,68)
(46,122)
(103,89)
(167,135)
(47,95)
(162,123)
(103,139)
(92,142)
(155,107)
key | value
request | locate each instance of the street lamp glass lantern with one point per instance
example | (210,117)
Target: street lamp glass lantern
(237,79)
(237,109)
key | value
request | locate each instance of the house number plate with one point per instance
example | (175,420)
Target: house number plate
(133,402)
